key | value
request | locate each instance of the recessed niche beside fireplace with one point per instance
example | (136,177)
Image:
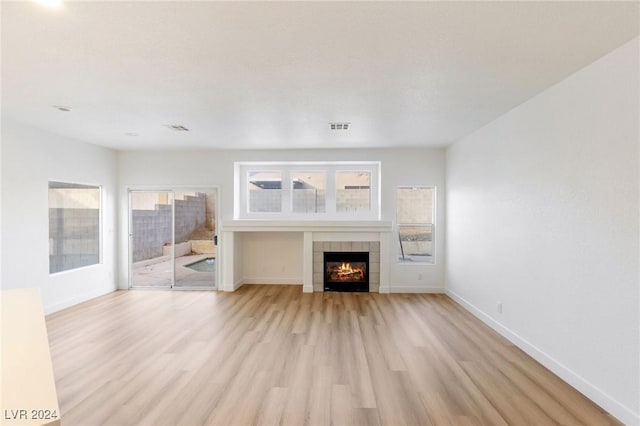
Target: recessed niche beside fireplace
(318,237)
(346,266)
(346,271)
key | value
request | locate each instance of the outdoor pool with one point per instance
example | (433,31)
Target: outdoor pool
(204,265)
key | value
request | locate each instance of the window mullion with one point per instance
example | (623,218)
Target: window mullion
(287,195)
(331,191)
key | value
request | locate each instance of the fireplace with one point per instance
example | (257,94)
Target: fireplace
(346,271)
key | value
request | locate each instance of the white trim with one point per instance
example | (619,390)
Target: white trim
(226,240)
(608,403)
(172,189)
(49,309)
(415,289)
(70,271)
(385,268)
(232,287)
(411,263)
(306,226)
(307,262)
(236,285)
(277,281)
(101,203)
(269,281)
(434,236)
(348,236)
(241,189)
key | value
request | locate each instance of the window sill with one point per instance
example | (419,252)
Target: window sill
(306,225)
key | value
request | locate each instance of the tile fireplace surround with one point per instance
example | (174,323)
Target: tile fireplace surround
(318,237)
(371,247)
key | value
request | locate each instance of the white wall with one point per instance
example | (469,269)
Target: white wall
(399,167)
(30,158)
(543,216)
(272,257)
(1,192)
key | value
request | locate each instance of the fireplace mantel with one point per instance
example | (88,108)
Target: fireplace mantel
(312,231)
(306,226)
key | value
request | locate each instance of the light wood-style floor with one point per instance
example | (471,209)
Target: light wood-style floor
(273,355)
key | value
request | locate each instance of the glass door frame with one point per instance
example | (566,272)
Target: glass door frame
(172,189)
(156,190)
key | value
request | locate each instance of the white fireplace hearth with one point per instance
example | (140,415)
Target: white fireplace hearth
(317,238)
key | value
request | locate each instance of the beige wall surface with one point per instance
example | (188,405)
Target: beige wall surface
(28,388)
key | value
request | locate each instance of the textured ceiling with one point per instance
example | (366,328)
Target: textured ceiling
(273,75)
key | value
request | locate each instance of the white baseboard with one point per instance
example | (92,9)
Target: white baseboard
(276,281)
(231,287)
(621,412)
(236,285)
(414,289)
(285,281)
(49,309)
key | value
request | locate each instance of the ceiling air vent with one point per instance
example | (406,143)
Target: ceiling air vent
(177,127)
(339,126)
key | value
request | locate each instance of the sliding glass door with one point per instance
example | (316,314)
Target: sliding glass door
(151,235)
(172,239)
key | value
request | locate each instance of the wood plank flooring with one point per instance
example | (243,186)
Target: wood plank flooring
(272,355)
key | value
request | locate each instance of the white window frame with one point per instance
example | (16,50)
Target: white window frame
(284,190)
(432,261)
(241,189)
(100,224)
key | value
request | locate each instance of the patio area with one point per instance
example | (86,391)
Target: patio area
(156,272)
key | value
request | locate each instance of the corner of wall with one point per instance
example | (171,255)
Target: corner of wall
(523,192)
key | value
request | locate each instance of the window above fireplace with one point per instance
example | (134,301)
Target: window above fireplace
(307,190)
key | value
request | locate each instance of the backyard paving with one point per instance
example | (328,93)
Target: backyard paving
(157,272)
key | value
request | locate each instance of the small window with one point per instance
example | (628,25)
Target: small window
(265,191)
(415,208)
(353,191)
(74,226)
(309,190)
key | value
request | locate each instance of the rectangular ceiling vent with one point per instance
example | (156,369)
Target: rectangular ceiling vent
(339,126)
(177,127)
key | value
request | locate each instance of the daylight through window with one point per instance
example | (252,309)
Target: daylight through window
(307,191)
(415,207)
(353,191)
(74,226)
(265,191)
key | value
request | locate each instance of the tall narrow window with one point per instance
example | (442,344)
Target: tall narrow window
(415,223)
(265,191)
(353,191)
(74,226)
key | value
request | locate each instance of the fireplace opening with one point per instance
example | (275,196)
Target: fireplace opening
(346,271)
